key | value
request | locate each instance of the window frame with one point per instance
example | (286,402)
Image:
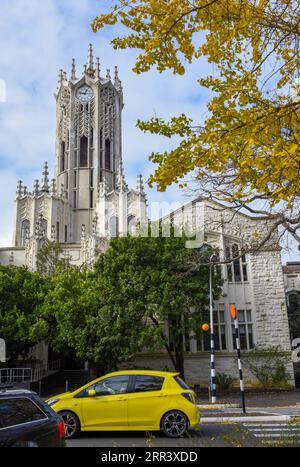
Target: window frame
(84,393)
(241,263)
(247,324)
(134,378)
(46,417)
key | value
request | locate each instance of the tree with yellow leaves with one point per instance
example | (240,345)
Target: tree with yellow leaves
(247,151)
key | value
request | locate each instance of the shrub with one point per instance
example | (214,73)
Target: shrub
(224,381)
(267,364)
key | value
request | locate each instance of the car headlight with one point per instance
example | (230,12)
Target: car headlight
(53,401)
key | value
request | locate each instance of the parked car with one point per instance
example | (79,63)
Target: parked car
(129,400)
(27,421)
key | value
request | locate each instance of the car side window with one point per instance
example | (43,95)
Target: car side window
(18,411)
(109,386)
(148,383)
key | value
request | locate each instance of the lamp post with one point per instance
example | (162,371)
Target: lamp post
(213,389)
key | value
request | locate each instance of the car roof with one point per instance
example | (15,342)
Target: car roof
(15,392)
(144,372)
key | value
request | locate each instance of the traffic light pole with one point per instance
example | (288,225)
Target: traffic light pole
(238,348)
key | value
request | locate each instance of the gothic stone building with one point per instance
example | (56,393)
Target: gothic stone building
(88,202)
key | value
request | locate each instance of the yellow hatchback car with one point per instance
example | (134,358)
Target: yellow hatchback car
(129,400)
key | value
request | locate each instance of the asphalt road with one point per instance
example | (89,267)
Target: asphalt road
(207,435)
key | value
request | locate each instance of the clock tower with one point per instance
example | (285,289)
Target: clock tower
(88,201)
(88,138)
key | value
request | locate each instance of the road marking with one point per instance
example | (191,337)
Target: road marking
(268,433)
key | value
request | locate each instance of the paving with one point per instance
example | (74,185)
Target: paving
(258,399)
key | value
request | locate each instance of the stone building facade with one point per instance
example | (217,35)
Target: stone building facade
(88,201)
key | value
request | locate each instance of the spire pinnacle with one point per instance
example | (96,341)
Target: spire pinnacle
(90,60)
(45,179)
(73,70)
(19,188)
(140,185)
(121,178)
(36,187)
(97,73)
(108,74)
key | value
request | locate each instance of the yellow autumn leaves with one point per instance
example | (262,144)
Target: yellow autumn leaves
(253,121)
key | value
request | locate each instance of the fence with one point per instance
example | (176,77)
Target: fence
(28,375)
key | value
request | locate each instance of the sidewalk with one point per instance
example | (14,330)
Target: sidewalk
(256,399)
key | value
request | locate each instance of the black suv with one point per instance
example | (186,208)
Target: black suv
(27,421)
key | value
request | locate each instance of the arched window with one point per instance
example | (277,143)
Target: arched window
(107,154)
(114,226)
(131,225)
(63,156)
(83,152)
(25,231)
(43,227)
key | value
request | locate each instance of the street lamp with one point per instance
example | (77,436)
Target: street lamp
(212,260)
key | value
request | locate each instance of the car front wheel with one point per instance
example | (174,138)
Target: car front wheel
(174,424)
(72,425)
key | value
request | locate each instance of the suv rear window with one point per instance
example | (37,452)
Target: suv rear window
(17,411)
(181,383)
(148,383)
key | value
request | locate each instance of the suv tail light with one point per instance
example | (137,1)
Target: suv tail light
(188,396)
(61,429)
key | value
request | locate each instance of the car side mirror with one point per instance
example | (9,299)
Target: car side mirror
(92,392)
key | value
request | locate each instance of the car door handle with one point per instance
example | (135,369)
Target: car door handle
(122,399)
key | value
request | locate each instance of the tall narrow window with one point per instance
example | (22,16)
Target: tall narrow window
(25,228)
(83,151)
(91,198)
(57,232)
(75,178)
(63,156)
(245,330)
(114,226)
(66,233)
(91,178)
(92,137)
(75,199)
(237,269)
(107,154)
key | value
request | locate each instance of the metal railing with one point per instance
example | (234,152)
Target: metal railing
(15,375)
(28,375)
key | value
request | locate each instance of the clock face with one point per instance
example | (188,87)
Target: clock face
(84,93)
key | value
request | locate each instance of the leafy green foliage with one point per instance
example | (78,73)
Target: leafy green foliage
(116,310)
(21,295)
(268,365)
(224,381)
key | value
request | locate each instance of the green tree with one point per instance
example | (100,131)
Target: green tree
(116,310)
(151,281)
(21,295)
(49,258)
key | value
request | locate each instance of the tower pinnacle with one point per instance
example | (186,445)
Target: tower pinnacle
(90,60)
(121,178)
(45,179)
(73,72)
